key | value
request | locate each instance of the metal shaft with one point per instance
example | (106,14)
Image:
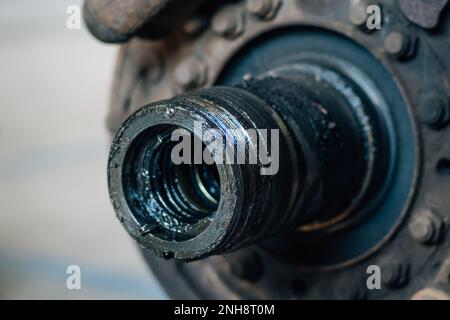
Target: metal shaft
(323,164)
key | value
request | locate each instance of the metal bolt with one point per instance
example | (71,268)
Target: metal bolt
(264,9)
(224,24)
(229,23)
(434,112)
(397,44)
(425,227)
(259,8)
(357,13)
(191,73)
(247,267)
(394,273)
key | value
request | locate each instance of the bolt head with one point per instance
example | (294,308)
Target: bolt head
(357,14)
(421,229)
(229,23)
(185,74)
(396,44)
(425,227)
(224,24)
(191,73)
(260,8)
(434,113)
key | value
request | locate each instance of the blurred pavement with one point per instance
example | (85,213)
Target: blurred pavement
(54,206)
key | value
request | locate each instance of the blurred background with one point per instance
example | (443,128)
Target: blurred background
(54,205)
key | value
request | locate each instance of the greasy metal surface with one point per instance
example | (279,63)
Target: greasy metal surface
(320,132)
(422,77)
(310,43)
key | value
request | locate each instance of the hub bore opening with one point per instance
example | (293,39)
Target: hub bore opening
(170,201)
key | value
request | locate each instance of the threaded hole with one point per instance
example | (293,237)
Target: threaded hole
(171,201)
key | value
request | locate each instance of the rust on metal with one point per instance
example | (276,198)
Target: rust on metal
(117,21)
